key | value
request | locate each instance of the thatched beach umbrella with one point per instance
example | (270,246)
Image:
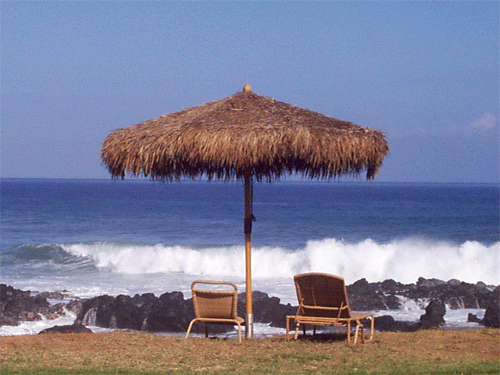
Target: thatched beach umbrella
(248,137)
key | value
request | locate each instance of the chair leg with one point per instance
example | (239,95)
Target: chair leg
(287,338)
(206,330)
(189,328)
(372,328)
(348,332)
(297,325)
(356,334)
(239,333)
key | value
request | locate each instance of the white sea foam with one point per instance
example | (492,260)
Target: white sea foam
(33,328)
(402,260)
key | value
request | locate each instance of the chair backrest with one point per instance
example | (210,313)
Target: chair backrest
(215,303)
(322,295)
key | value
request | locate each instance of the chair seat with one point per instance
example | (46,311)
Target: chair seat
(238,320)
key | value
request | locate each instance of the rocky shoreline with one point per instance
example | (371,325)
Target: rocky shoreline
(171,312)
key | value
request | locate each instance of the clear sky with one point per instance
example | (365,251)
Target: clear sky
(424,73)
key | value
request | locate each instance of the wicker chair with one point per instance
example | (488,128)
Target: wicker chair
(215,306)
(323,302)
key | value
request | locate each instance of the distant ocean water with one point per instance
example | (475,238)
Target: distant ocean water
(93,237)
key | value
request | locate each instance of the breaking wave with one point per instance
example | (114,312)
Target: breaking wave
(402,260)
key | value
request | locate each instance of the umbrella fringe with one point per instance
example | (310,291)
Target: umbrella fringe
(244,132)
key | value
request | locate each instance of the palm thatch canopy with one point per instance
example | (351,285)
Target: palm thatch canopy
(243,134)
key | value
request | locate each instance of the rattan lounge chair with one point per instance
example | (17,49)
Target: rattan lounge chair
(323,302)
(215,306)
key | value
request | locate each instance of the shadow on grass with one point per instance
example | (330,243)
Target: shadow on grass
(331,336)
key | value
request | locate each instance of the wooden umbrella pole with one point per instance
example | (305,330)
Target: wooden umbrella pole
(248,254)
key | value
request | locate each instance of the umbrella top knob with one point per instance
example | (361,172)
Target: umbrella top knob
(247,88)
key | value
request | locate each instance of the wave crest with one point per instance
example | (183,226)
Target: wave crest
(402,260)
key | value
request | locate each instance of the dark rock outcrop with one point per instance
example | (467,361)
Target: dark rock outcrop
(266,309)
(373,297)
(433,316)
(387,323)
(172,313)
(492,314)
(389,295)
(74,328)
(18,305)
(168,313)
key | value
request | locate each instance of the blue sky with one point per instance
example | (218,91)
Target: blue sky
(424,73)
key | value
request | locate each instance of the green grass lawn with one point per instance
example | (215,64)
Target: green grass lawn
(425,352)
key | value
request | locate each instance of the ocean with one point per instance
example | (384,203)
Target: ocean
(94,237)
